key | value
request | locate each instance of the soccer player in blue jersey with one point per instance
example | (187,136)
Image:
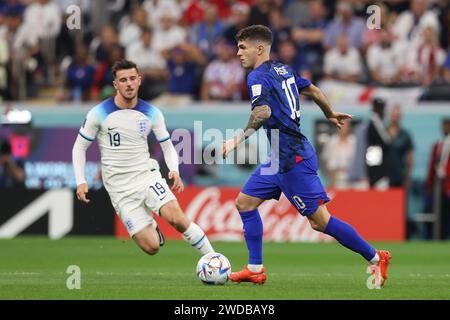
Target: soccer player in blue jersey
(275,89)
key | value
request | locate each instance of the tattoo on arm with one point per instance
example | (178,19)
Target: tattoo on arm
(259,115)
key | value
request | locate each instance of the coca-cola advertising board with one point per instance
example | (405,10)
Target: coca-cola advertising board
(376,215)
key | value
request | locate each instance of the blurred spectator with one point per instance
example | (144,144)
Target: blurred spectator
(343,62)
(102,45)
(103,87)
(447,68)
(151,64)
(184,63)
(387,19)
(443,10)
(439,168)
(43,17)
(157,8)
(223,77)
(397,6)
(287,54)
(12,6)
(195,12)
(338,155)
(4,59)
(239,19)
(205,33)
(344,23)
(400,157)
(281,30)
(296,12)
(169,34)
(12,174)
(377,143)
(309,35)
(428,58)
(259,12)
(132,32)
(410,24)
(384,60)
(80,76)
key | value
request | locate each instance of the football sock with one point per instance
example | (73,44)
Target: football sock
(198,239)
(375,259)
(253,234)
(346,235)
(254,267)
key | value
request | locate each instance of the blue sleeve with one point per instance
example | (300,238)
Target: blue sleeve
(259,88)
(302,83)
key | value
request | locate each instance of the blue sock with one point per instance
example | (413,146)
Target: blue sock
(348,237)
(253,234)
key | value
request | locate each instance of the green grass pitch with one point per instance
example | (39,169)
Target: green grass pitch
(35,268)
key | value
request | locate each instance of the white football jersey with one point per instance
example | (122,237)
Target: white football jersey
(122,137)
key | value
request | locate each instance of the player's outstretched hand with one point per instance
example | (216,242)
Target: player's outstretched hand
(177,182)
(228,146)
(82,191)
(338,118)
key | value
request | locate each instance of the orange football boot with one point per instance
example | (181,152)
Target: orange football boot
(383,264)
(246,275)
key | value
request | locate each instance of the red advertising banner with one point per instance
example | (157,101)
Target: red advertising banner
(376,215)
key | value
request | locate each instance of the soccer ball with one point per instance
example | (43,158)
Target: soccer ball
(213,268)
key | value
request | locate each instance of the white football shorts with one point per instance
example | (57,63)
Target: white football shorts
(136,209)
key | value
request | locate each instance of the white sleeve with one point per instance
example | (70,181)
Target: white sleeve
(87,134)
(79,158)
(170,155)
(159,127)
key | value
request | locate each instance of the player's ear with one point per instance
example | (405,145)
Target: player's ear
(114,84)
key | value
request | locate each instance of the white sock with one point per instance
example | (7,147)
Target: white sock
(254,267)
(375,259)
(198,239)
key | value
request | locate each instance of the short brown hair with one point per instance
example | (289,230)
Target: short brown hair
(255,32)
(123,65)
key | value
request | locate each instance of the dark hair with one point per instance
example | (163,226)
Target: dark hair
(123,65)
(255,32)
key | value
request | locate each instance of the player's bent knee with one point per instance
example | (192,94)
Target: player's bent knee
(242,205)
(150,248)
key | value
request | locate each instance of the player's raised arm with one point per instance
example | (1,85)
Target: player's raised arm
(170,154)
(321,100)
(259,115)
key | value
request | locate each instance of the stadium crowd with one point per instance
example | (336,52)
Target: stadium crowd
(186,51)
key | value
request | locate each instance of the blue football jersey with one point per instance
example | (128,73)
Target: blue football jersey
(276,85)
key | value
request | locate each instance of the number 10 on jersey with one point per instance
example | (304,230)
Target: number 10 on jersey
(292,99)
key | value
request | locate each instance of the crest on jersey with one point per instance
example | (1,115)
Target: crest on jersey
(142,126)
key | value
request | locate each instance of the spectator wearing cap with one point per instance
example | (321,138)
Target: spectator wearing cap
(223,77)
(12,174)
(151,64)
(205,33)
(343,62)
(344,23)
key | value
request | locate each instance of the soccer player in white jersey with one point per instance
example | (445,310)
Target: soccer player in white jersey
(121,125)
